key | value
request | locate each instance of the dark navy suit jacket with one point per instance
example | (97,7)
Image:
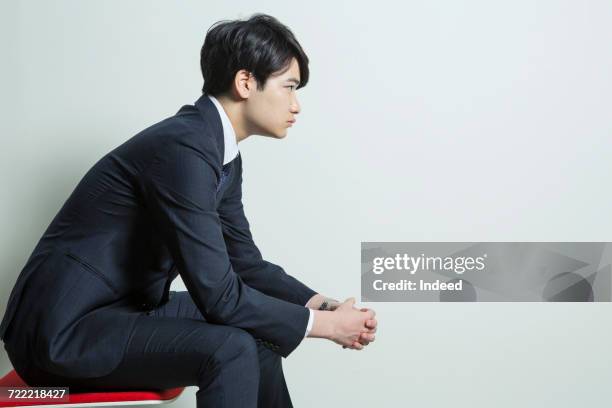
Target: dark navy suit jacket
(159,205)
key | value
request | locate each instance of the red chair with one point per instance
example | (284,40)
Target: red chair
(90,399)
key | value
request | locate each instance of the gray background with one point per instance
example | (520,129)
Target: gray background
(431,120)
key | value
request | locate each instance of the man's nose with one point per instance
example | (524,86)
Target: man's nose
(295,106)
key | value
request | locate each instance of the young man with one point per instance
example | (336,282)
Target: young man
(92,307)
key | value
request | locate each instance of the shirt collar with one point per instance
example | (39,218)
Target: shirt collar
(229,135)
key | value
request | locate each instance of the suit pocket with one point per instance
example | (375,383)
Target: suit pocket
(93,270)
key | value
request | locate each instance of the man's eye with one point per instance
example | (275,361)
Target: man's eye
(290,87)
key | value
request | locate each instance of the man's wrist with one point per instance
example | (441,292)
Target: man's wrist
(320,302)
(315,301)
(324,325)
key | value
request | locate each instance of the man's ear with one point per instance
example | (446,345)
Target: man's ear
(244,83)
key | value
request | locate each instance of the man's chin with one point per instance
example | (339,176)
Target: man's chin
(280,135)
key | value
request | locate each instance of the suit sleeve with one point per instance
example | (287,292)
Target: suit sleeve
(180,190)
(246,257)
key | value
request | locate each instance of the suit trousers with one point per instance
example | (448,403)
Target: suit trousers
(173,346)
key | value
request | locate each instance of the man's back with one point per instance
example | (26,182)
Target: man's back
(102,260)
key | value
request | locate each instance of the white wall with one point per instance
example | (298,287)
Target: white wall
(426,120)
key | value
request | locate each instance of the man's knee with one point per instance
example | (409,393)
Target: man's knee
(238,348)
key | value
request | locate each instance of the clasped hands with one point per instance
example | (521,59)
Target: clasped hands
(352,330)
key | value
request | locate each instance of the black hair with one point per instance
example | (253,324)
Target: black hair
(261,45)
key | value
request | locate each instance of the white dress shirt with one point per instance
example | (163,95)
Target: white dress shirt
(230,153)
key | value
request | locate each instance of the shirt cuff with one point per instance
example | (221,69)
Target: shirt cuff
(310,322)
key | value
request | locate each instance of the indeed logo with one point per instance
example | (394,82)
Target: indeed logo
(457,264)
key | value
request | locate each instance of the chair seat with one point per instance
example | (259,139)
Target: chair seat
(90,399)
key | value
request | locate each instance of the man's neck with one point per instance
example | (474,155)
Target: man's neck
(233,110)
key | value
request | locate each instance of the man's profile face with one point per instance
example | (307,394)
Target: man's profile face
(271,110)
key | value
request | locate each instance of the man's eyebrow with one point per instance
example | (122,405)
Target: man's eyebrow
(294,80)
